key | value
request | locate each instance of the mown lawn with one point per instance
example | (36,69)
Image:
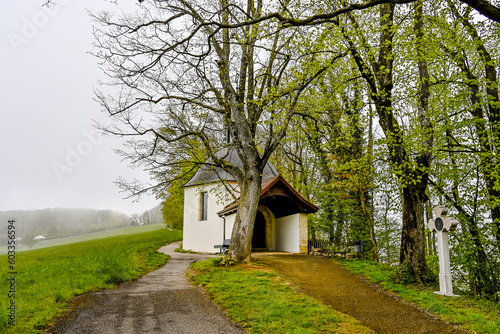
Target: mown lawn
(262,301)
(47,279)
(479,316)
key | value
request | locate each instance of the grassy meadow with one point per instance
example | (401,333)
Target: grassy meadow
(262,301)
(86,237)
(48,278)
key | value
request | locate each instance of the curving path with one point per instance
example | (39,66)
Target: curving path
(334,285)
(163,301)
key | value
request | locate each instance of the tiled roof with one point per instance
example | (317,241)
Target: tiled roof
(207,174)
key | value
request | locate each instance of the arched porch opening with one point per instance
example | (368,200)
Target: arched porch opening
(259,232)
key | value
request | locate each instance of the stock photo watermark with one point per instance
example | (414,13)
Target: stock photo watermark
(11,280)
(31,25)
(76,154)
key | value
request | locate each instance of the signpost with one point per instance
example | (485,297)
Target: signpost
(442,225)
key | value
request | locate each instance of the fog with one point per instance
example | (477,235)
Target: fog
(50,153)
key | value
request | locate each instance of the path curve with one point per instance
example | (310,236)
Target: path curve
(163,301)
(326,280)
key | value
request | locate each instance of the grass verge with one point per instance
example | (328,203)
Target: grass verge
(262,301)
(182,250)
(47,279)
(479,316)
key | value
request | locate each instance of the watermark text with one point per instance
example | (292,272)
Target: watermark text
(11,280)
(76,154)
(30,26)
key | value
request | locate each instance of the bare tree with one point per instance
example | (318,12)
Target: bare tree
(182,78)
(486,8)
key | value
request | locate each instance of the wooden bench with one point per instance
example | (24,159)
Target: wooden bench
(224,248)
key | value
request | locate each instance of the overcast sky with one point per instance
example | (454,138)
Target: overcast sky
(50,154)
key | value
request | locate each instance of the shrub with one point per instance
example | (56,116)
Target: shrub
(226,260)
(403,274)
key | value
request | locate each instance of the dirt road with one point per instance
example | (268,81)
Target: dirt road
(163,301)
(329,282)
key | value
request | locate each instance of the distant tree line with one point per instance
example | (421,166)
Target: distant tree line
(152,216)
(61,222)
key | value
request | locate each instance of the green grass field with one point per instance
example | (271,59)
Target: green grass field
(91,236)
(48,278)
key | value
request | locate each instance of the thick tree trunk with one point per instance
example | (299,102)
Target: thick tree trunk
(414,196)
(412,249)
(241,238)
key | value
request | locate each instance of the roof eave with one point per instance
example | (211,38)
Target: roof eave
(233,207)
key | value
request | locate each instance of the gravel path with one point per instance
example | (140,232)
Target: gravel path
(329,282)
(163,301)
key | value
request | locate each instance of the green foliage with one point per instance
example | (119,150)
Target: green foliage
(476,270)
(335,140)
(403,274)
(262,301)
(433,266)
(49,278)
(456,124)
(173,205)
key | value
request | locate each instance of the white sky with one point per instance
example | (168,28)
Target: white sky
(46,102)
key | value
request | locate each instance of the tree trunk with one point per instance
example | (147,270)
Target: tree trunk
(241,238)
(412,249)
(371,227)
(431,244)
(388,230)
(424,158)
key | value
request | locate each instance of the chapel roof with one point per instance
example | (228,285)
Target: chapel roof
(280,197)
(208,174)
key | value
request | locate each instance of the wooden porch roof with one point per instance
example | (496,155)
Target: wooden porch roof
(280,197)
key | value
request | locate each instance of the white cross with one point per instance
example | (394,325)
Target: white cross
(442,225)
